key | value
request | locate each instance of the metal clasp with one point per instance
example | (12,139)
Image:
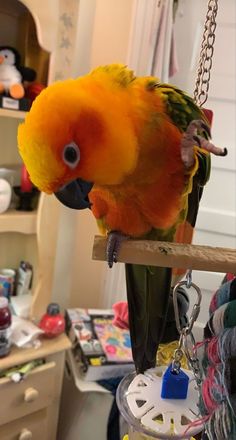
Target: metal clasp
(186,336)
(196,308)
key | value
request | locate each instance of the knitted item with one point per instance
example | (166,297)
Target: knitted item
(221,424)
(224,317)
(218,393)
(226,293)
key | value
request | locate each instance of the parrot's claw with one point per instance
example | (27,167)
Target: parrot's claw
(191,138)
(204,143)
(114,241)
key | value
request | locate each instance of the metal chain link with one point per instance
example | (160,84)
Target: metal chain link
(192,358)
(206,55)
(178,355)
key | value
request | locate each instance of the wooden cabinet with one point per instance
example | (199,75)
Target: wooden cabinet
(30,236)
(26,428)
(45,34)
(35,392)
(30,408)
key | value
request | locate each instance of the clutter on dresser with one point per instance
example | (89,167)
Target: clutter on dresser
(101,350)
(20,372)
(16,282)
(24,278)
(7,282)
(5,324)
(25,333)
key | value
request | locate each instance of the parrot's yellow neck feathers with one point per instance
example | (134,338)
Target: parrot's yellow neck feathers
(119,73)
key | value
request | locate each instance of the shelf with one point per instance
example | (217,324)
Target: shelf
(23,355)
(17,114)
(18,221)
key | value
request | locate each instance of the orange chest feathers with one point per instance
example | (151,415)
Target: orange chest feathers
(152,196)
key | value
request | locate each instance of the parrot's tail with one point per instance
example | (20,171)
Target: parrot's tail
(148,291)
(151,312)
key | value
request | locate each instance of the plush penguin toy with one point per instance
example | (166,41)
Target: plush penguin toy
(12,74)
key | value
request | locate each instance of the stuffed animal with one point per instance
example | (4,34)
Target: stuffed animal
(12,74)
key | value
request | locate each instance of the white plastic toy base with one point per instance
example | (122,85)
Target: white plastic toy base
(157,417)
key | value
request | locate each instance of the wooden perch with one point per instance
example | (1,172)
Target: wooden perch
(158,253)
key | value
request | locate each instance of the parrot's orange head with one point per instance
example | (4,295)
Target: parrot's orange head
(78,131)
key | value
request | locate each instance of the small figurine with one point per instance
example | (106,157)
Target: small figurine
(12,74)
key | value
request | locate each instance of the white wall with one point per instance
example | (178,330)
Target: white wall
(111,31)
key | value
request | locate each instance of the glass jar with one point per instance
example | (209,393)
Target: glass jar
(136,430)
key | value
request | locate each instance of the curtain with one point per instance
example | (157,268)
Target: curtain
(163,57)
(114,286)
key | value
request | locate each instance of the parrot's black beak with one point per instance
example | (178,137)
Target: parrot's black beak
(75,194)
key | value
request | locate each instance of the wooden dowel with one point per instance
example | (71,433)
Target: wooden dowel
(158,253)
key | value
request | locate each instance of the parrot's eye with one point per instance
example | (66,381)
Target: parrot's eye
(71,154)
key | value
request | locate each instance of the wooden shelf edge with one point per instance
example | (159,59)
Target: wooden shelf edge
(23,355)
(175,255)
(18,221)
(16,114)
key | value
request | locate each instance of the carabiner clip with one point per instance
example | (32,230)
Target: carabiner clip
(196,308)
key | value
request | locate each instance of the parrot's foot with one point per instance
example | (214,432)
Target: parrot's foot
(114,241)
(191,138)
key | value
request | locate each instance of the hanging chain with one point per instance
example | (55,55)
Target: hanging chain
(206,55)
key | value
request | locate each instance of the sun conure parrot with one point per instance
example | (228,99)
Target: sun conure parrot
(136,152)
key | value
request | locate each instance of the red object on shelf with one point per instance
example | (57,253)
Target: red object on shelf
(26,184)
(33,90)
(53,322)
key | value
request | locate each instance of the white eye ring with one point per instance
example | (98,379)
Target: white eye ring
(71,154)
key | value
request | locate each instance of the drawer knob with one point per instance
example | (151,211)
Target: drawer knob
(25,435)
(31,394)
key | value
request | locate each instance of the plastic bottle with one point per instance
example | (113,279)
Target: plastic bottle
(5,323)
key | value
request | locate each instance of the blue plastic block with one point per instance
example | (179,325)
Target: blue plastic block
(174,386)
